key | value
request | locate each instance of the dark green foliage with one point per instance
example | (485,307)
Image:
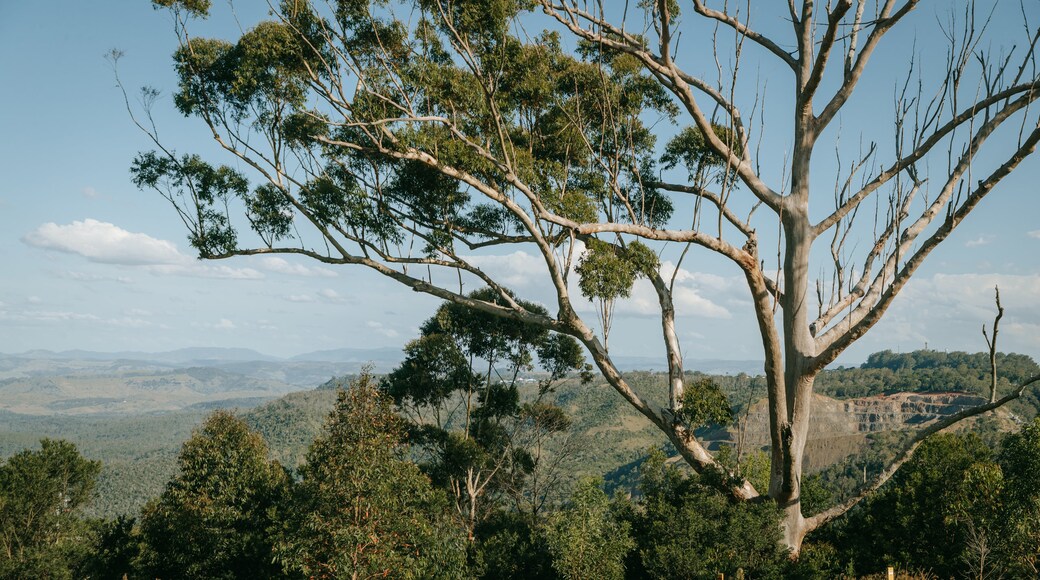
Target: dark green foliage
(460,385)
(956,508)
(361,508)
(114,550)
(533,103)
(203,189)
(434,367)
(335,199)
(585,539)
(138,453)
(264,74)
(898,526)
(218,517)
(270,213)
(843,480)
(691,150)
(704,403)
(957,484)
(41,492)
(1017,515)
(198,8)
(930,371)
(434,198)
(819,559)
(608,272)
(687,529)
(509,546)
(290,424)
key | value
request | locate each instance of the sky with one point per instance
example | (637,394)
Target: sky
(90,262)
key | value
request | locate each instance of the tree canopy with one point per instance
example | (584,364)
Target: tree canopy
(219,516)
(478,431)
(412,137)
(40,493)
(361,510)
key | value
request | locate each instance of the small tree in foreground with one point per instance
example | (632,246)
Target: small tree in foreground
(218,517)
(586,540)
(41,535)
(685,527)
(983,500)
(409,136)
(361,510)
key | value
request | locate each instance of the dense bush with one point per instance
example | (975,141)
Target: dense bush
(685,527)
(41,491)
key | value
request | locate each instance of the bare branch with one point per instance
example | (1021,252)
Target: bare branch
(745,30)
(1029,91)
(868,313)
(854,72)
(991,343)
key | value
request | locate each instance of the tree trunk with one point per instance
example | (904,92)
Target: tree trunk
(789,498)
(794,528)
(799,352)
(788,490)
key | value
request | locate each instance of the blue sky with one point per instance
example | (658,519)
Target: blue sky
(90,262)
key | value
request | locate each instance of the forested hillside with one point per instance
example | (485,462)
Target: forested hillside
(924,371)
(138,452)
(278,455)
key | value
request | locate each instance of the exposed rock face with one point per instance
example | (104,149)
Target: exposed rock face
(839,428)
(884,412)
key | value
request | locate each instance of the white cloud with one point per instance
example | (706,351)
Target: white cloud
(65,316)
(105,243)
(85,277)
(264,324)
(381,328)
(330,294)
(90,192)
(201,270)
(34,300)
(283,266)
(948,310)
(703,280)
(979,241)
(517,270)
(128,322)
(326,294)
(1034,234)
(689,302)
(56,316)
(109,244)
(224,324)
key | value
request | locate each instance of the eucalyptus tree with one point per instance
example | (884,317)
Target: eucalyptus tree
(481,434)
(219,516)
(41,494)
(411,136)
(361,510)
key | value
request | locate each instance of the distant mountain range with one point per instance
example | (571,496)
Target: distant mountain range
(81,382)
(382,359)
(197,355)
